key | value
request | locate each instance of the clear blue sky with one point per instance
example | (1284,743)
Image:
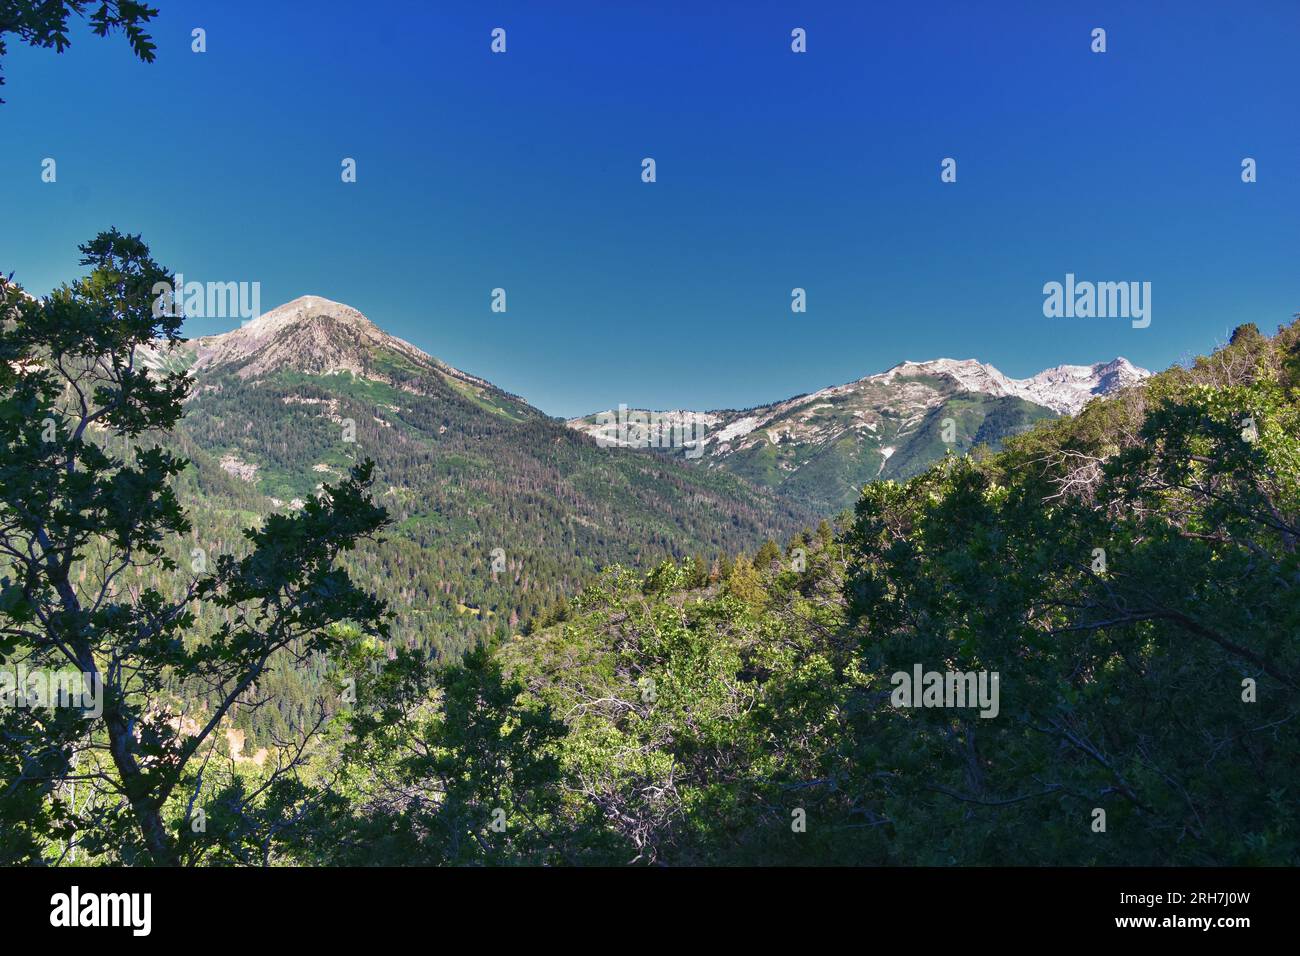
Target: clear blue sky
(775,170)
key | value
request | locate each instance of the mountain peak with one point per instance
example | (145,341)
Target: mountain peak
(303,309)
(938,365)
(972,374)
(309,334)
(1122,366)
(1067,388)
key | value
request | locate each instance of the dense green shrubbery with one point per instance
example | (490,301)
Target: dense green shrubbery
(1131,574)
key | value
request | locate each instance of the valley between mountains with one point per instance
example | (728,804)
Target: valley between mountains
(499,510)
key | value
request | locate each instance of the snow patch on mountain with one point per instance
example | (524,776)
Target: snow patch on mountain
(1064,389)
(970,374)
(907,393)
(1067,388)
(738,429)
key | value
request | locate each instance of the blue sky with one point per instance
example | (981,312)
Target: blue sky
(775,170)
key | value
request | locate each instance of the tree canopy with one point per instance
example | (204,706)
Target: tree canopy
(44,24)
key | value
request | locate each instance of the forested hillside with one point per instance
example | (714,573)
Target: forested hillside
(472,476)
(1130,574)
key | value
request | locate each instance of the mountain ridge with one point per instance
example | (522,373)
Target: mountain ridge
(814,450)
(258,347)
(1114,374)
(820,447)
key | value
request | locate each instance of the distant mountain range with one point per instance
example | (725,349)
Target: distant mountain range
(499,509)
(819,449)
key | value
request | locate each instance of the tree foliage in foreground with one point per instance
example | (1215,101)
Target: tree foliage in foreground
(1132,574)
(44,24)
(86,507)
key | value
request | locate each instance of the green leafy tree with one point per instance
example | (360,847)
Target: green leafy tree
(44,23)
(1131,574)
(469,774)
(87,507)
(769,553)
